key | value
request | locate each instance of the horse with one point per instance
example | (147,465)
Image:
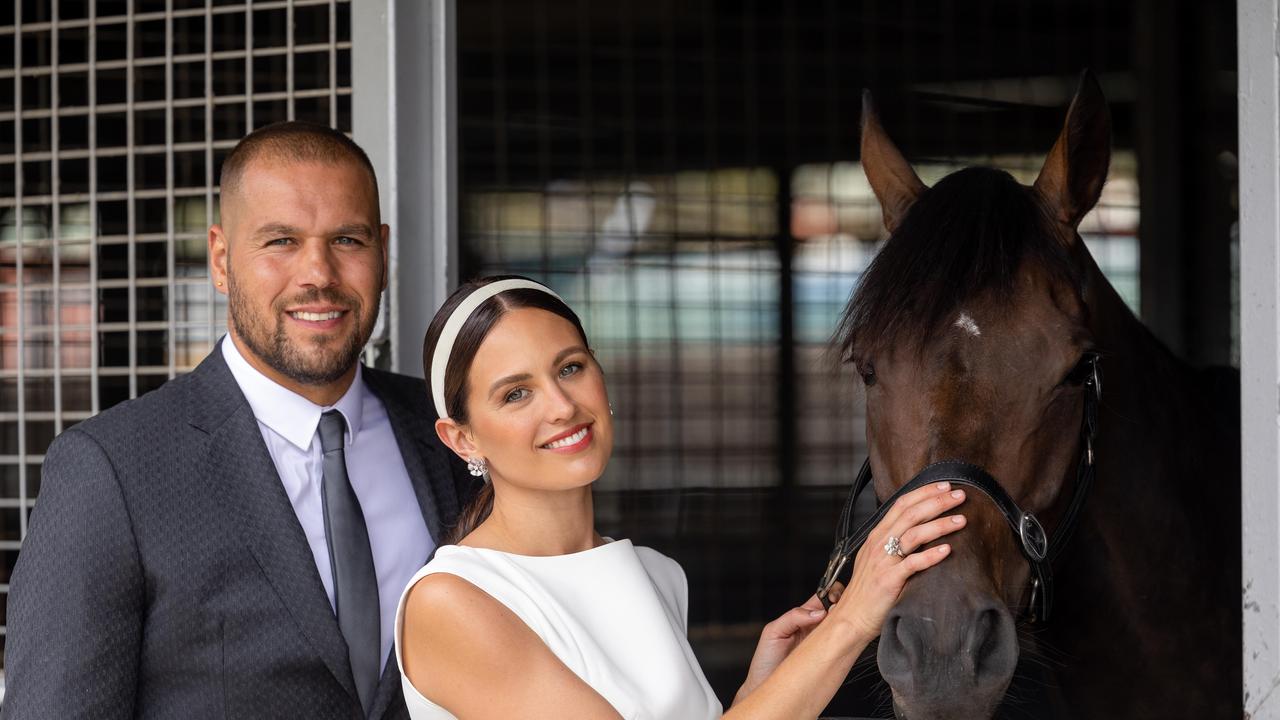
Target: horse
(975,330)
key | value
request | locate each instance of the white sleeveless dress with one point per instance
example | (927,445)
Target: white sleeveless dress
(615,615)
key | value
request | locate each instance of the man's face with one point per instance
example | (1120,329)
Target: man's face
(304,261)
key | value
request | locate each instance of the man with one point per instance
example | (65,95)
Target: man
(234,544)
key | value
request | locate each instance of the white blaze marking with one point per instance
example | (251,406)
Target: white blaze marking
(966,323)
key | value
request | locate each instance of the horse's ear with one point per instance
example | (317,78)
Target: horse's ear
(894,182)
(1071,180)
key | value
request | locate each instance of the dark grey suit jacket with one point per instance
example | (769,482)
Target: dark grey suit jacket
(165,574)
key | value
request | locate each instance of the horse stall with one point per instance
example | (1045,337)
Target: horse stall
(689,176)
(693,177)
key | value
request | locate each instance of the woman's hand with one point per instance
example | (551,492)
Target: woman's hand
(780,637)
(878,577)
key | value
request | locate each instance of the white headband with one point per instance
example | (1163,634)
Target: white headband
(444,346)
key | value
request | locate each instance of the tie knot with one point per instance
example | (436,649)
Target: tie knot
(332,428)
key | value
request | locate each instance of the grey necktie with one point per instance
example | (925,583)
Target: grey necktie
(355,584)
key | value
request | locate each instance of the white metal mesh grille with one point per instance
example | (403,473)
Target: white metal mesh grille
(119,115)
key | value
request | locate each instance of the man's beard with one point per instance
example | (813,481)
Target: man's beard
(320,365)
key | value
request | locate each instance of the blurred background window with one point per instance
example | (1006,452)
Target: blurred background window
(686,175)
(115,116)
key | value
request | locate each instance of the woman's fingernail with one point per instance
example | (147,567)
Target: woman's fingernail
(944,549)
(957,493)
(957,519)
(817,613)
(944,485)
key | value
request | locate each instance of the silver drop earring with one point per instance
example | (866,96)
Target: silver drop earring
(477,466)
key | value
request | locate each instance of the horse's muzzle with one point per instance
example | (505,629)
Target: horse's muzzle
(947,657)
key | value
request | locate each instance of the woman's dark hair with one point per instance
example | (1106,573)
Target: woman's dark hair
(470,337)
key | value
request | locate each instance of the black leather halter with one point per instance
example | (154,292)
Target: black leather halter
(1037,548)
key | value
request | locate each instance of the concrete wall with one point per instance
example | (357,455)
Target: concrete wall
(1260,356)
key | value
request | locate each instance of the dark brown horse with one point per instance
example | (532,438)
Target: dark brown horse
(970,330)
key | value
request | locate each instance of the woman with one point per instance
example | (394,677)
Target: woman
(532,613)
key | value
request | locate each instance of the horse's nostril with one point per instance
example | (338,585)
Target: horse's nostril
(909,640)
(897,653)
(992,646)
(982,638)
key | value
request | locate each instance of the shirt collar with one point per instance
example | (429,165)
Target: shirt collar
(287,413)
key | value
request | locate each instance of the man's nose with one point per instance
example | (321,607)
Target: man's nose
(317,264)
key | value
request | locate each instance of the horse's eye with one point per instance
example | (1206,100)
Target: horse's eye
(1082,371)
(868,373)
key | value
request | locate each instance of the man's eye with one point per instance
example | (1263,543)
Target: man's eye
(516,395)
(570,369)
(346,240)
(280,241)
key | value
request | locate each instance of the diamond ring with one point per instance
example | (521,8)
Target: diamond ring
(894,547)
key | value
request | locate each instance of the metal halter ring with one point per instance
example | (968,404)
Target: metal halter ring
(894,547)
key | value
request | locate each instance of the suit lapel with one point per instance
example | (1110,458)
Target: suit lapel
(385,699)
(241,471)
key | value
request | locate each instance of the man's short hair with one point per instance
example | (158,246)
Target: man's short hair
(292,141)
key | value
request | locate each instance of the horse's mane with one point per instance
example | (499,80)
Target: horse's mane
(965,236)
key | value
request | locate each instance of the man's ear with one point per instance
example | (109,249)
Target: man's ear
(456,438)
(385,231)
(218,252)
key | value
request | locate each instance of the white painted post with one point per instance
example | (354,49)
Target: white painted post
(403,114)
(1259,106)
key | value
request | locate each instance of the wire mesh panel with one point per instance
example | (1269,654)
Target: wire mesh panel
(685,174)
(119,116)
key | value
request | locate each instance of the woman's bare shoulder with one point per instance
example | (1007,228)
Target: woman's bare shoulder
(441,600)
(460,643)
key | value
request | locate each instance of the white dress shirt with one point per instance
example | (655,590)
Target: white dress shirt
(398,534)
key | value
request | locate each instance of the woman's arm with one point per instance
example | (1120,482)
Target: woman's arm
(472,656)
(803,682)
(780,637)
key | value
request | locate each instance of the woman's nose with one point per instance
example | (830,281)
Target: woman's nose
(560,405)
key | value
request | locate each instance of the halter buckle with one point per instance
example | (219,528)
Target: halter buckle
(837,562)
(1035,543)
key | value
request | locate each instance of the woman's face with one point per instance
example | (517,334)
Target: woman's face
(537,406)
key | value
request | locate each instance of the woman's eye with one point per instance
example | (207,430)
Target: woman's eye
(570,369)
(516,395)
